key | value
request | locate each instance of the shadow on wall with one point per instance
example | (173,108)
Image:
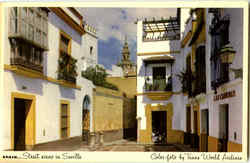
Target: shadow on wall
(59,24)
(67,92)
(28,85)
(177,65)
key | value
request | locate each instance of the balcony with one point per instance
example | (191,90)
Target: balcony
(26,56)
(67,69)
(159,89)
(29,25)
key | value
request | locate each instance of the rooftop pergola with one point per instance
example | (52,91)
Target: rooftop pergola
(160,30)
(171,24)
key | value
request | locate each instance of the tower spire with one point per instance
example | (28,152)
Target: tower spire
(125,39)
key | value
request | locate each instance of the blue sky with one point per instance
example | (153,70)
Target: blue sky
(113,24)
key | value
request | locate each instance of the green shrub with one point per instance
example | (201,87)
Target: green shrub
(98,76)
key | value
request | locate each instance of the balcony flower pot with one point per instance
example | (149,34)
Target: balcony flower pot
(227,54)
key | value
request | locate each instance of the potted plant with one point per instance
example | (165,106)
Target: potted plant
(148,86)
(162,85)
(227,54)
(186,78)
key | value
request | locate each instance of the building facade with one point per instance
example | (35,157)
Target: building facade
(204,61)
(159,99)
(43,88)
(213,49)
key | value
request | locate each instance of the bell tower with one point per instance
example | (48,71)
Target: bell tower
(125,62)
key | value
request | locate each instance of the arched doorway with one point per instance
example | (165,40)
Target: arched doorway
(85,117)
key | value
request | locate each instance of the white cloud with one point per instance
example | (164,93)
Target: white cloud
(104,18)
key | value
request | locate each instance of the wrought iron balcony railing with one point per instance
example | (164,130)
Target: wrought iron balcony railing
(159,85)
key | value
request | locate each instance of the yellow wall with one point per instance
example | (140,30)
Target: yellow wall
(173,136)
(107,112)
(212,144)
(126,85)
(234,147)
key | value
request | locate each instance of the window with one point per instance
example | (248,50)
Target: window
(29,24)
(200,71)
(28,37)
(67,68)
(65,43)
(65,119)
(188,82)
(91,50)
(86,103)
(159,73)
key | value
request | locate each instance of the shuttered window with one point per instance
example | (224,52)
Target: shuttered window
(64,120)
(31,24)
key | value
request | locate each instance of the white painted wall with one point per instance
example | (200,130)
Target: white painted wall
(89,59)
(116,71)
(48,95)
(178,100)
(185,51)
(235,103)
(185,28)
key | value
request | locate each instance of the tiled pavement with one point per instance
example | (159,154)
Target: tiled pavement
(120,145)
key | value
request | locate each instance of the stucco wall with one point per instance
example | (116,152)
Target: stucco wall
(48,95)
(234,103)
(235,113)
(108,110)
(89,59)
(126,85)
(177,99)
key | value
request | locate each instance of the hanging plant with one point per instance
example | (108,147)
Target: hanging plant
(67,69)
(186,78)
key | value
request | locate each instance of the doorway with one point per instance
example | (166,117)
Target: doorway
(23,121)
(187,136)
(204,130)
(195,138)
(85,118)
(223,127)
(159,127)
(21,125)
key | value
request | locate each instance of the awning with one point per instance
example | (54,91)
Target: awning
(159,59)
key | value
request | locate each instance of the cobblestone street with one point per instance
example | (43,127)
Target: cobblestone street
(120,145)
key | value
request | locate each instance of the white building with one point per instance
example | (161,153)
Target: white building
(90,48)
(212,122)
(159,98)
(43,96)
(116,71)
(224,87)
(205,108)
